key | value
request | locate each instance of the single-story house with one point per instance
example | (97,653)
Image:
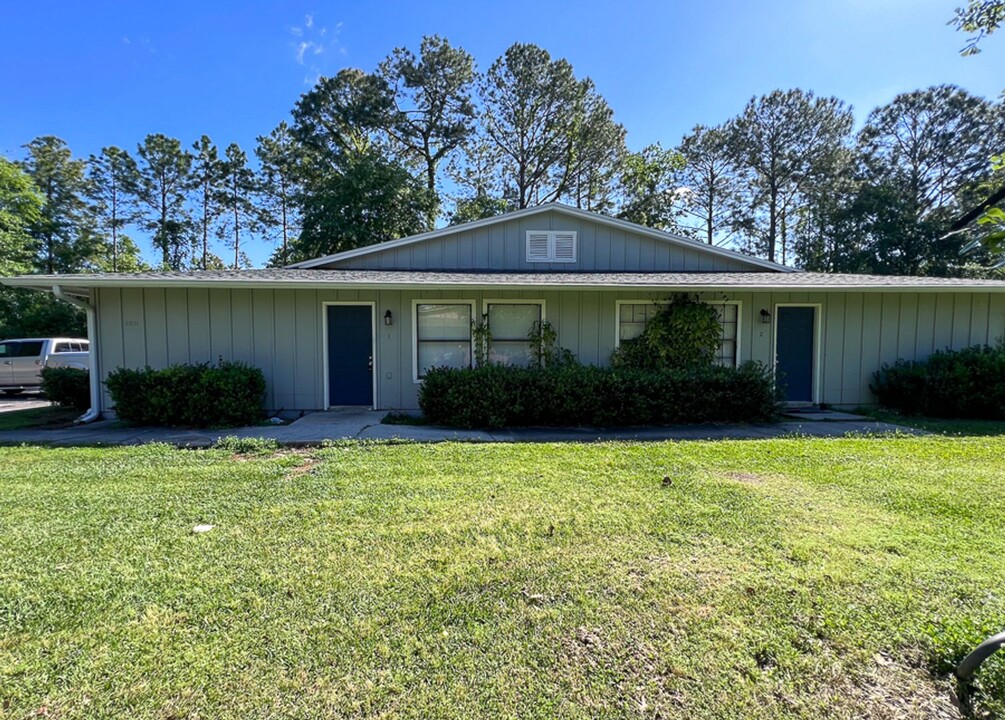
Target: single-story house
(361,327)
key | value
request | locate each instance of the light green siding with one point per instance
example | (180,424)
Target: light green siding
(281,331)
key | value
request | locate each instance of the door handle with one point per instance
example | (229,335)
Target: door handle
(369,363)
(8,362)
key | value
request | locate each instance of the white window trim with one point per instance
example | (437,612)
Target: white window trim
(817,371)
(504,301)
(324,344)
(739,321)
(415,329)
(551,246)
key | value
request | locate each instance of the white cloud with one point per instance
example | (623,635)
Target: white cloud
(312,41)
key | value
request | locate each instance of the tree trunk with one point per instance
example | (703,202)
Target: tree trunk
(772,222)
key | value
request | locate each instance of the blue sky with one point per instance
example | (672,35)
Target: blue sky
(108,73)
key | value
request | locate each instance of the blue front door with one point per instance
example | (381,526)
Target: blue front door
(794,352)
(350,359)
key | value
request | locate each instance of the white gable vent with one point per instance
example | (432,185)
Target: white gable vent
(557,246)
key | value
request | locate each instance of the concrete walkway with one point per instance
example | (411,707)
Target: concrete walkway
(316,428)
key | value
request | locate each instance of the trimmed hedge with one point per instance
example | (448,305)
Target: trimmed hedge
(66,386)
(581,395)
(228,394)
(966,383)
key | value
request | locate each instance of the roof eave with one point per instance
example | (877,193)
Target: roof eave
(82,288)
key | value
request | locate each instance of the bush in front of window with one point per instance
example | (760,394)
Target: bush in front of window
(228,394)
(967,383)
(585,395)
(67,387)
(685,333)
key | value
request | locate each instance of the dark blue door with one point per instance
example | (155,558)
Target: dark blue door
(794,352)
(350,363)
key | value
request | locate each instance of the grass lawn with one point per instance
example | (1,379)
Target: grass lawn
(793,578)
(39,417)
(942,426)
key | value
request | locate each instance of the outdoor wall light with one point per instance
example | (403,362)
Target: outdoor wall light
(388,319)
(765,316)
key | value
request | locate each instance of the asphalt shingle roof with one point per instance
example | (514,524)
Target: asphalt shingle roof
(291,277)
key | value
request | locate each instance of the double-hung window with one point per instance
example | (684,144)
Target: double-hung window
(632,319)
(510,325)
(442,335)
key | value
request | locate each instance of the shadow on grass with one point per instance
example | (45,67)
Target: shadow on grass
(38,418)
(940,426)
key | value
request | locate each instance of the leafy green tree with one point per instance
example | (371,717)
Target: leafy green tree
(711,187)
(596,152)
(64,237)
(990,215)
(531,103)
(111,189)
(279,184)
(433,113)
(933,143)
(342,116)
(474,170)
(238,198)
(877,231)
(206,180)
(648,183)
(24,313)
(776,143)
(20,210)
(368,200)
(477,207)
(353,192)
(164,169)
(982,17)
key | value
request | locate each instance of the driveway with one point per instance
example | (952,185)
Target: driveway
(24,401)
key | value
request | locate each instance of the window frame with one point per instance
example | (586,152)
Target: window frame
(739,321)
(416,302)
(512,301)
(552,254)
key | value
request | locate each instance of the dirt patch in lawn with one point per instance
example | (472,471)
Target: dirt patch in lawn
(893,688)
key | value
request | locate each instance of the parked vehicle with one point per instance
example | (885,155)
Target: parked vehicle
(22,360)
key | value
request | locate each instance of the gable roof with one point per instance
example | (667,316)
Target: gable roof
(560,208)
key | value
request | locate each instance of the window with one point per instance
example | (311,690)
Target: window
(509,326)
(729,319)
(31,348)
(632,319)
(63,347)
(442,336)
(557,246)
(8,349)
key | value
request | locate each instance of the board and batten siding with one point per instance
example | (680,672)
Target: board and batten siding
(502,247)
(281,331)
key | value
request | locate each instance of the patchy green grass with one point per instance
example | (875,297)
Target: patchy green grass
(942,426)
(789,578)
(39,417)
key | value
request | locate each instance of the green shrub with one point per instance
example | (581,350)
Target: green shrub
(684,333)
(966,383)
(67,387)
(567,395)
(228,394)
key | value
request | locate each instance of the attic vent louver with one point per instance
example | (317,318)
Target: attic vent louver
(551,246)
